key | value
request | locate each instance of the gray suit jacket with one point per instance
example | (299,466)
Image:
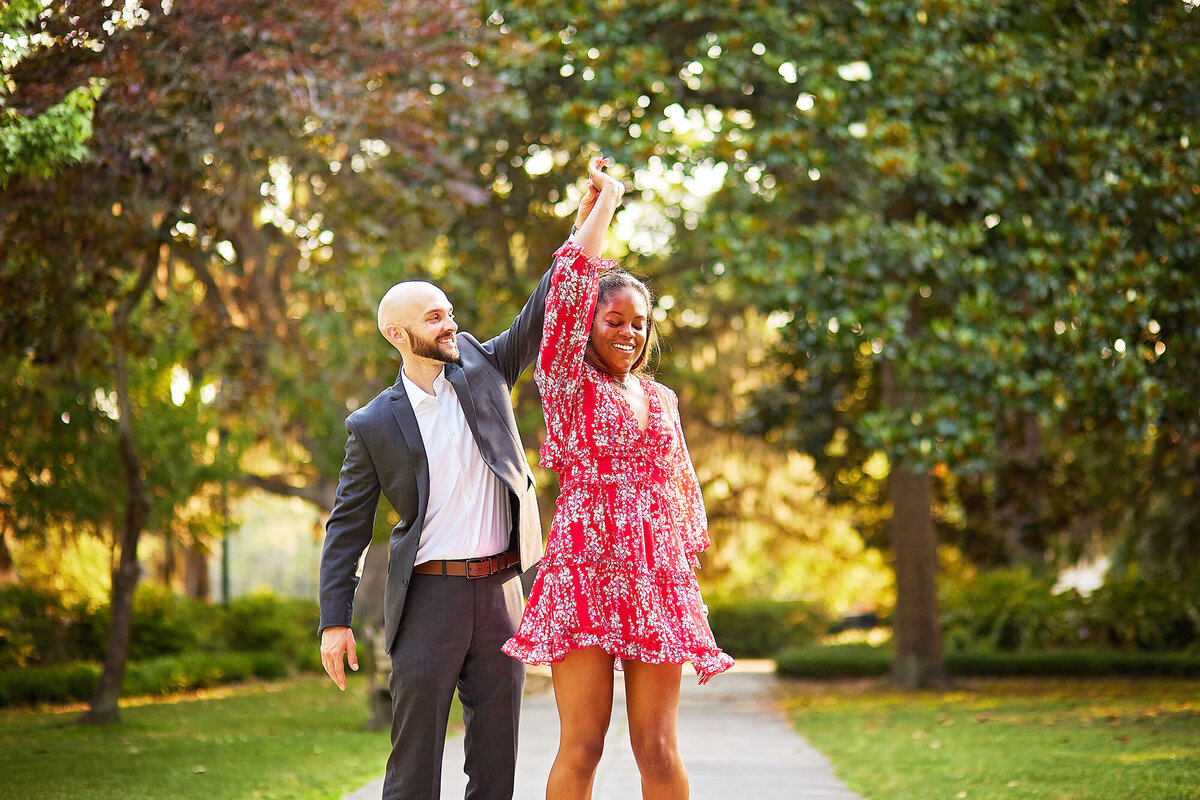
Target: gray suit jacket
(385,453)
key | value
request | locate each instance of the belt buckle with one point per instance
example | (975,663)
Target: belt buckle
(485,563)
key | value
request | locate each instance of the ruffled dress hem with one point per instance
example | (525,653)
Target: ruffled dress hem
(543,653)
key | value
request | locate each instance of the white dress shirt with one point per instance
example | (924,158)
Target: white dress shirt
(468,515)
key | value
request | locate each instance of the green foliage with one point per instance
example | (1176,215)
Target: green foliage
(38,627)
(833,662)
(63,683)
(273,666)
(37,145)
(1014,610)
(977,270)
(1146,614)
(76,681)
(1008,610)
(30,623)
(761,628)
(57,136)
(171,675)
(176,644)
(164,623)
(270,624)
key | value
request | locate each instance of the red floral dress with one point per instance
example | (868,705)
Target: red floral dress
(619,566)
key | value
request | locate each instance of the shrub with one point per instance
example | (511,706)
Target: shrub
(164,623)
(266,623)
(76,682)
(761,628)
(186,673)
(1009,609)
(309,658)
(31,621)
(58,684)
(1133,612)
(835,661)
(87,633)
(269,666)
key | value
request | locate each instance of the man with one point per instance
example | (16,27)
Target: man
(442,445)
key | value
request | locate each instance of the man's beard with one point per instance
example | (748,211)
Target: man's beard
(429,348)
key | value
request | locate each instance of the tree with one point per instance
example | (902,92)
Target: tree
(985,264)
(196,222)
(969,223)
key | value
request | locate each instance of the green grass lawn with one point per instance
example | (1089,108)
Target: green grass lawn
(1012,739)
(295,740)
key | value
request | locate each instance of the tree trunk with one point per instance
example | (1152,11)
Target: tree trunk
(104,709)
(8,570)
(168,566)
(917,660)
(195,573)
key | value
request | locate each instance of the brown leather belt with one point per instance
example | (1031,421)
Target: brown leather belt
(470,567)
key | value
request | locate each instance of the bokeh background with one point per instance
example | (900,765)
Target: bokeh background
(925,271)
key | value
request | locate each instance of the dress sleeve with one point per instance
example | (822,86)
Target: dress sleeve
(559,370)
(688,500)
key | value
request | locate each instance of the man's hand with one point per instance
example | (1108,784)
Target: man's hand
(337,642)
(597,180)
(601,180)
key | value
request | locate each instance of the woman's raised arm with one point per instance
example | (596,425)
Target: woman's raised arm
(597,212)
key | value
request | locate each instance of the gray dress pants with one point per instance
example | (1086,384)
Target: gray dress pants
(450,637)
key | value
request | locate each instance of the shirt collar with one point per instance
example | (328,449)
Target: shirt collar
(418,396)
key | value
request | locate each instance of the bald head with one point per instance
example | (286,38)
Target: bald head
(405,301)
(417,318)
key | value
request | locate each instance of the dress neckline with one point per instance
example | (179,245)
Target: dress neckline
(629,416)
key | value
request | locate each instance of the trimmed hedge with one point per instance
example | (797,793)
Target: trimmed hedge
(76,682)
(38,629)
(761,628)
(833,662)
(1076,664)
(860,661)
(64,683)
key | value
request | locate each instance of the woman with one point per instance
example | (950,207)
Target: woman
(616,587)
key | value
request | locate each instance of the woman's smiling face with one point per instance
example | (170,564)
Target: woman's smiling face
(619,328)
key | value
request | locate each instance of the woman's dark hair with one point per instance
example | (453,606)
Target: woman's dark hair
(610,281)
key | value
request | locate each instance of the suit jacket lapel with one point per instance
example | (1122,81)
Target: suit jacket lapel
(458,379)
(407,420)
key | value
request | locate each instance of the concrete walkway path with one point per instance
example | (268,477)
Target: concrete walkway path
(735,743)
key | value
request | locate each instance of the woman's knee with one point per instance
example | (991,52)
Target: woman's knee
(582,754)
(656,752)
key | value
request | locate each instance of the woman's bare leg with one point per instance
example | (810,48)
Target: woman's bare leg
(652,702)
(583,691)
